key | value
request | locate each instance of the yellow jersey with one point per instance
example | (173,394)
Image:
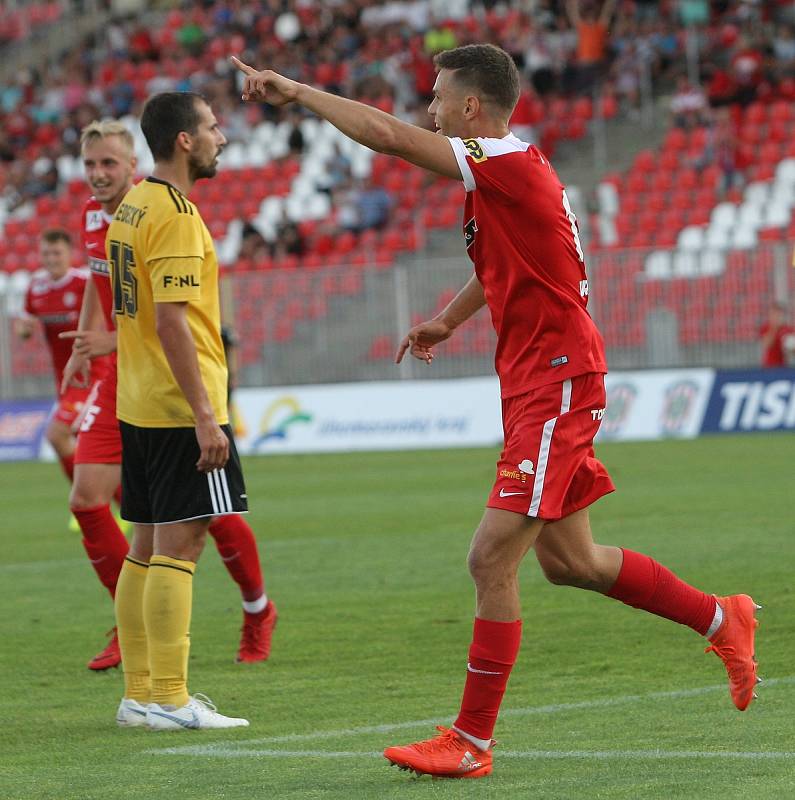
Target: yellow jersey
(160,251)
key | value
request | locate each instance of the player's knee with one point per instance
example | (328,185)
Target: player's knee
(487,567)
(82,497)
(562,572)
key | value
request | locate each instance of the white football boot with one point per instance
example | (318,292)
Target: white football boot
(198,713)
(131,713)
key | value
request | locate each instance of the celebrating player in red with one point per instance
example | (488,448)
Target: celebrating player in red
(109,161)
(522,236)
(54,297)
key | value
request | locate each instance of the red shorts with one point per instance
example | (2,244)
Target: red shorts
(547,468)
(69,405)
(98,439)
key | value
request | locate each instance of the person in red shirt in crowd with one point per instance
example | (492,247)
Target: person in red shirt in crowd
(778,338)
(521,234)
(109,160)
(53,299)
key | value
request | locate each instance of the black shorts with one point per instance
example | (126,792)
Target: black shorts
(160,482)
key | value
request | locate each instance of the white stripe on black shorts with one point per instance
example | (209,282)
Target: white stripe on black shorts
(160,482)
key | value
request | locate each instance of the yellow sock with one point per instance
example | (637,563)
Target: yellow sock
(132,633)
(168,598)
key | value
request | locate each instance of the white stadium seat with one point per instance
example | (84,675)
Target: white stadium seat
(776,215)
(712,262)
(757,192)
(690,238)
(744,238)
(685,264)
(750,215)
(723,215)
(717,238)
(608,199)
(658,264)
(785,171)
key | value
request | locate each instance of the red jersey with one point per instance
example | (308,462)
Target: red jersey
(522,237)
(57,305)
(95,226)
(775,354)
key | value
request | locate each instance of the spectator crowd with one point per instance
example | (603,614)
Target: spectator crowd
(381,53)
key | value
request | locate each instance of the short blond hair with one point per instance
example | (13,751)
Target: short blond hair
(102,128)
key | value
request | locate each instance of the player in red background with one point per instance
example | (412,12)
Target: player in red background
(109,161)
(777,338)
(522,236)
(53,298)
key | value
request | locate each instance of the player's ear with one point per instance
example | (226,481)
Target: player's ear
(472,106)
(183,141)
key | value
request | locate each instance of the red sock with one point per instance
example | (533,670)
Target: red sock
(238,550)
(643,583)
(104,542)
(68,466)
(491,658)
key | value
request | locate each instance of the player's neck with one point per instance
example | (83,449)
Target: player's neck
(57,274)
(110,207)
(174,173)
(488,130)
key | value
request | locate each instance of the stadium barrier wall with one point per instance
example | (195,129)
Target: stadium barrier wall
(22,426)
(408,415)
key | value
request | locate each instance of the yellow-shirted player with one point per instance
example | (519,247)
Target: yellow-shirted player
(179,463)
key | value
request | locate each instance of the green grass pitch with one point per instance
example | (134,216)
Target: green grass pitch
(365,556)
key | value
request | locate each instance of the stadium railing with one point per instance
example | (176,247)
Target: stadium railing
(344,323)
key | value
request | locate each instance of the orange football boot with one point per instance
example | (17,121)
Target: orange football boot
(448,755)
(733,643)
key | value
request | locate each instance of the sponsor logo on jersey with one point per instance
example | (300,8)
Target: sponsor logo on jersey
(94,221)
(527,467)
(178,281)
(559,361)
(99,266)
(69,299)
(597,413)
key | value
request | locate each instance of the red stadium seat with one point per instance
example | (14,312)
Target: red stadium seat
(645,161)
(675,140)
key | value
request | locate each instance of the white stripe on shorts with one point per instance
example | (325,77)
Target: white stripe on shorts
(219,491)
(213,498)
(543,452)
(225,487)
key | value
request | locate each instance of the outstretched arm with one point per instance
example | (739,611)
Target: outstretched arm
(364,124)
(573,12)
(607,12)
(421,338)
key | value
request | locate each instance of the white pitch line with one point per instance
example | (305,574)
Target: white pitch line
(209,751)
(212,749)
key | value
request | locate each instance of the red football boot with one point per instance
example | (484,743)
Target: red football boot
(110,656)
(448,755)
(255,641)
(733,643)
